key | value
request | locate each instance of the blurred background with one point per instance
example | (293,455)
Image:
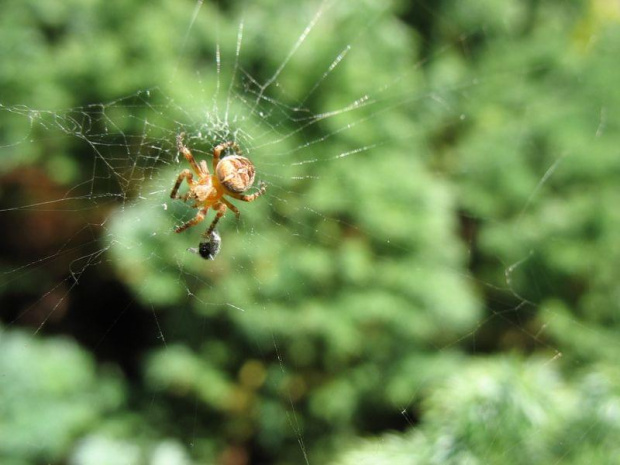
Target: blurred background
(431,277)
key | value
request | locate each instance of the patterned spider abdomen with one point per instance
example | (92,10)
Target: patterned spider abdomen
(235,173)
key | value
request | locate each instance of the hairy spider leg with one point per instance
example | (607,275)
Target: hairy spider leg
(221,209)
(231,206)
(251,197)
(217,151)
(194,221)
(201,170)
(185,174)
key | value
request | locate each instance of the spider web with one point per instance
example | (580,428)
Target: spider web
(273,291)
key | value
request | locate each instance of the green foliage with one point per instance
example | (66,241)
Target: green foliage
(51,394)
(379,284)
(541,161)
(464,200)
(57,403)
(508,410)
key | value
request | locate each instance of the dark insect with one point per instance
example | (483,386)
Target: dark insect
(209,248)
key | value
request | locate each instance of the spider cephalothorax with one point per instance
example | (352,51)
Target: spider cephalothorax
(232,176)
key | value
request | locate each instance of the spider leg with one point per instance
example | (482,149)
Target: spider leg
(231,206)
(185,174)
(221,209)
(217,151)
(190,158)
(194,221)
(250,198)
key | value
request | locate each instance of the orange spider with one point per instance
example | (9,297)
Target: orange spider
(232,176)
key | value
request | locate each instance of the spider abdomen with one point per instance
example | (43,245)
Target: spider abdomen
(235,173)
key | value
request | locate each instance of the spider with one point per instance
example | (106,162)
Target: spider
(232,176)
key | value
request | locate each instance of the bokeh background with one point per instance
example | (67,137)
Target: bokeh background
(431,277)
